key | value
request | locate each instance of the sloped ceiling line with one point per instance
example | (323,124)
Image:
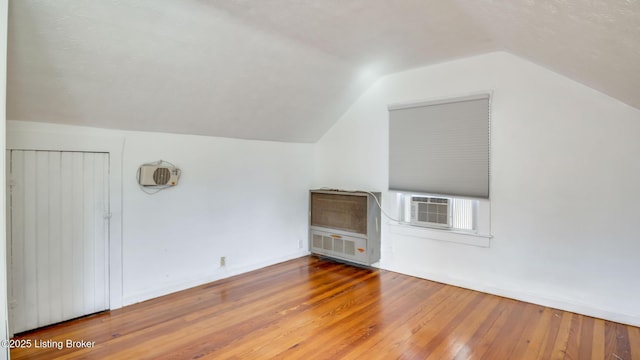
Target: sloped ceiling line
(284,70)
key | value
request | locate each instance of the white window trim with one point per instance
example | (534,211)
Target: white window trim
(480,237)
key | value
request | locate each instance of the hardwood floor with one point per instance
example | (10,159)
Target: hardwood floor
(311,308)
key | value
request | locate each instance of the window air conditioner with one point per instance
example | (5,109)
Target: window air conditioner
(155,175)
(430,211)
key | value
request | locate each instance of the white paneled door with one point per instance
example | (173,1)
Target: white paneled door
(59,236)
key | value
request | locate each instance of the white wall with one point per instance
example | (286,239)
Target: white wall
(4,328)
(245,200)
(564,185)
(563,193)
(242,199)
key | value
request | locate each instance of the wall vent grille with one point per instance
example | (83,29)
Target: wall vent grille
(337,245)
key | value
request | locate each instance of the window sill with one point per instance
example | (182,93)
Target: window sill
(441,234)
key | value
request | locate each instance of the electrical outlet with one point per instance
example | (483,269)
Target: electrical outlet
(300,244)
(223,260)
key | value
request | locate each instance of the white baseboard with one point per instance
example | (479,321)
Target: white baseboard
(228,272)
(534,298)
(570,305)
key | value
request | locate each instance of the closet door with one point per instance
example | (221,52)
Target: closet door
(59,236)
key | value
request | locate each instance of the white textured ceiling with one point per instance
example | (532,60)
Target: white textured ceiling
(284,70)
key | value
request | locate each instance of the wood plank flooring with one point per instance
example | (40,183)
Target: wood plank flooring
(310,308)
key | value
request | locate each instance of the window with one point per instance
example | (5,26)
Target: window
(441,147)
(470,222)
(439,168)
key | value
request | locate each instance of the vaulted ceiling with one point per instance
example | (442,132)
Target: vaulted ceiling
(284,70)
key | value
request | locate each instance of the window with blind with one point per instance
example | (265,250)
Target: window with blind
(441,147)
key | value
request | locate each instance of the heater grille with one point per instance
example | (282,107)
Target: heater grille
(334,244)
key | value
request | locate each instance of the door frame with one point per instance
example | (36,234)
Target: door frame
(21,137)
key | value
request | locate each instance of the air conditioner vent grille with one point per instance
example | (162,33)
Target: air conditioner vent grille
(432,200)
(430,211)
(161,175)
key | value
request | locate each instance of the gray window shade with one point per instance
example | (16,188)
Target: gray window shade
(441,147)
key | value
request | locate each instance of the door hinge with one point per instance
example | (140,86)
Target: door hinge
(11,184)
(107,216)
